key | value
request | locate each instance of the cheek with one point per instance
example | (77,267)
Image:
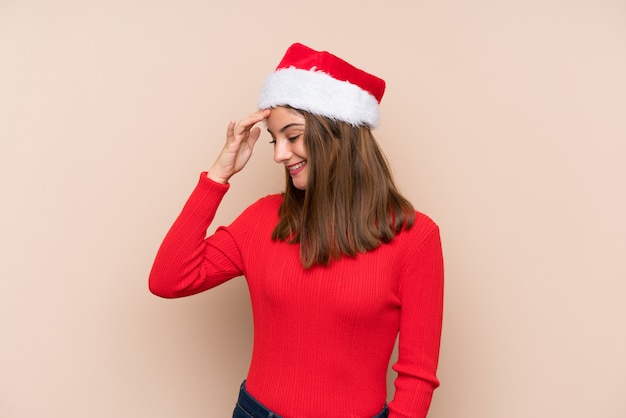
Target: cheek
(302,149)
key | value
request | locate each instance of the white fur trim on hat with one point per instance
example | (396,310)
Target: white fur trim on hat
(319,93)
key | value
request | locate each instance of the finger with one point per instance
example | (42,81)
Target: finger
(230,130)
(254,118)
(254,135)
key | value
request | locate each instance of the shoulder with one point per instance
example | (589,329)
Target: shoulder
(257,220)
(266,207)
(424,221)
(269,202)
(424,228)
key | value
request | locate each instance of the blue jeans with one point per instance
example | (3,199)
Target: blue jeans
(248,407)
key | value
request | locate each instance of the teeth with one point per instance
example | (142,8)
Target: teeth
(297,166)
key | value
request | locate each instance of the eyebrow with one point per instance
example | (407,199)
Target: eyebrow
(284,128)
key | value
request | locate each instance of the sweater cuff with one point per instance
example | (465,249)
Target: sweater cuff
(212,186)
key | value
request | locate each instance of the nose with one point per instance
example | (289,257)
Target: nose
(282,151)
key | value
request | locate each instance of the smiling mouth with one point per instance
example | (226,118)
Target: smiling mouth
(296,166)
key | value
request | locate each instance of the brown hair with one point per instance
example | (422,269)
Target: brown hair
(351,204)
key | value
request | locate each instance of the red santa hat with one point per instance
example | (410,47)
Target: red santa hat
(323,84)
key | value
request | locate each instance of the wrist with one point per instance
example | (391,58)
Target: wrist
(217,177)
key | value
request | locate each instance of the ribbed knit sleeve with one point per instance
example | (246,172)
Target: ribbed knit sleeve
(421,294)
(187,262)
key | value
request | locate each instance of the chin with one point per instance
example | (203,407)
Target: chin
(299,184)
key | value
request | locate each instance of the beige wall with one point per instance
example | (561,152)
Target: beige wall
(503,120)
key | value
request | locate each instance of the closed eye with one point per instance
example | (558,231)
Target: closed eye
(290,139)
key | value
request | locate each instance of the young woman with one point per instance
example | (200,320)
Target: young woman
(337,266)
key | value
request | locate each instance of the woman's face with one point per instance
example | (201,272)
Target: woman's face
(287,129)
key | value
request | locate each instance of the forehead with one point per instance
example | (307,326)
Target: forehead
(282,118)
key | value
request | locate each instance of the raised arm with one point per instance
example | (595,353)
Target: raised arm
(186,262)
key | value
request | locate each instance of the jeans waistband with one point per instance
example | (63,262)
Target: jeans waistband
(253,407)
(256,409)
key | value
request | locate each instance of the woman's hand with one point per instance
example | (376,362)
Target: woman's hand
(240,139)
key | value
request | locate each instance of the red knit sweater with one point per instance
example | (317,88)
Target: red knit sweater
(323,336)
